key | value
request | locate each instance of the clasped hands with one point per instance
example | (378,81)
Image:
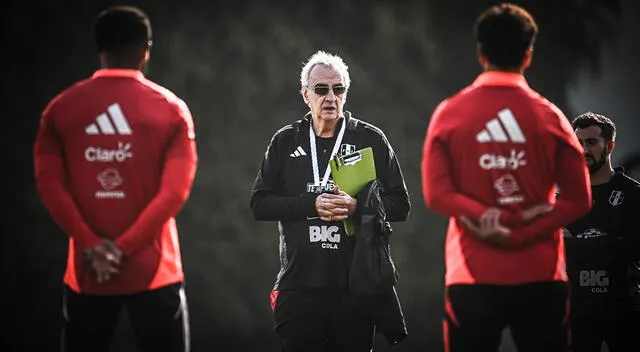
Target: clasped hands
(103,259)
(489,229)
(335,206)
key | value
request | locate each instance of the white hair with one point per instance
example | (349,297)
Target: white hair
(325,58)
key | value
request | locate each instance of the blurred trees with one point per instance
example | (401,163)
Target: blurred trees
(237,66)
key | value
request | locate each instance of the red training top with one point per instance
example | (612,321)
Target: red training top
(115,157)
(498,143)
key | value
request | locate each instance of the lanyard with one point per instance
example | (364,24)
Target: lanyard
(314,155)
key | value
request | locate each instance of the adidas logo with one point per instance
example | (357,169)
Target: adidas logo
(298,152)
(111,122)
(495,130)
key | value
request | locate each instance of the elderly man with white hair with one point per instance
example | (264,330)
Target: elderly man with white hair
(313,307)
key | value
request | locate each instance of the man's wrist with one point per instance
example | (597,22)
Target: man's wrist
(510,218)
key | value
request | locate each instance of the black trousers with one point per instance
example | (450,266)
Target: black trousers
(321,320)
(536,313)
(159,319)
(618,328)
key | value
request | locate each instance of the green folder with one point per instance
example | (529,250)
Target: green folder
(351,173)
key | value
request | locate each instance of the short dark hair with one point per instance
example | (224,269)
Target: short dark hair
(589,119)
(505,32)
(122,28)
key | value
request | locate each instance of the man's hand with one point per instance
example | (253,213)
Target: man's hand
(336,206)
(490,230)
(104,259)
(535,211)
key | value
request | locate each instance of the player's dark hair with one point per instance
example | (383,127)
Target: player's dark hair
(505,32)
(589,119)
(122,31)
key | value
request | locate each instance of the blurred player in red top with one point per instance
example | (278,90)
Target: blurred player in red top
(493,156)
(115,158)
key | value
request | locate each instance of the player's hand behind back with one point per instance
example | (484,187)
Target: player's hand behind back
(489,228)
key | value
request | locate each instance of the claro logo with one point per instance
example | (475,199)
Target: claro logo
(327,235)
(97,154)
(494,161)
(597,279)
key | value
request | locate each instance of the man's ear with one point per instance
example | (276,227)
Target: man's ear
(145,50)
(528,57)
(610,146)
(147,54)
(303,92)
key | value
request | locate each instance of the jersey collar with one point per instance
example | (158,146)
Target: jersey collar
(346,114)
(496,78)
(118,72)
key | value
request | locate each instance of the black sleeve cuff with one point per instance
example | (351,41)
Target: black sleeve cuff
(307,204)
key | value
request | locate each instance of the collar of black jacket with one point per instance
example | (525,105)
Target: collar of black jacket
(347,117)
(619,170)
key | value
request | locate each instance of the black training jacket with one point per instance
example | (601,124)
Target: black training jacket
(602,245)
(316,253)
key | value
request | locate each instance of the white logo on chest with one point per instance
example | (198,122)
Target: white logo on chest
(616,198)
(327,235)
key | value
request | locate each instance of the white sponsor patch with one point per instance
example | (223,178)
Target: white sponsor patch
(327,235)
(110,179)
(104,155)
(512,161)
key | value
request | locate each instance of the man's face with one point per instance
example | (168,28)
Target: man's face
(325,94)
(596,149)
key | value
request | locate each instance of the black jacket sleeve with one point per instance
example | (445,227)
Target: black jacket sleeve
(630,244)
(394,191)
(268,201)
(631,235)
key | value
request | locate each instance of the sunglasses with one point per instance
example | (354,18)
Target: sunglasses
(323,89)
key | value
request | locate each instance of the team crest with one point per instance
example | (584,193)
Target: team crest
(346,149)
(616,198)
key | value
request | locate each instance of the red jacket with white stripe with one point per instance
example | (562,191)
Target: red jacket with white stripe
(498,143)
(115,158)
